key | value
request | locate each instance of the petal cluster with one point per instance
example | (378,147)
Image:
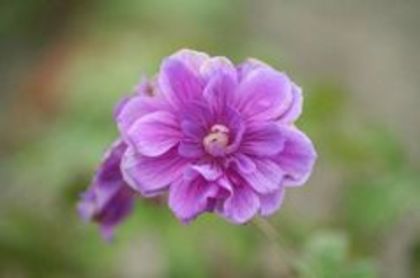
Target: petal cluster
(216,137)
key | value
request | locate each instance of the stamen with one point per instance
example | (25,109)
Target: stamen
(217,140)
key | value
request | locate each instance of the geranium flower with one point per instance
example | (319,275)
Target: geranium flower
(216,137)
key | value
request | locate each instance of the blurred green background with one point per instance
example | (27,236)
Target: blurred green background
(65,63)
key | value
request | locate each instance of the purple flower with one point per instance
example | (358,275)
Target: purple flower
(217,137)
(108,200)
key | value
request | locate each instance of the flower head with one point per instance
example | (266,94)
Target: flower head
(215,136)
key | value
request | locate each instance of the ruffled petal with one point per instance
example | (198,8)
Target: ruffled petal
(295,108)
(218,66)
(135,107)
(270,203)
(179,79)
(242,162)
(196,118)
(155,133)
(250,65)
(266,178)
(189,198)
(297,158)
(262,139)
(191,58)
(152,175)
(209,171)
(241,205)
(219,92)
(264,94)
(193,133)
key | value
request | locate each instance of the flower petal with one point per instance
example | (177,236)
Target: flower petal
(297,158)
(219,92)
(243,163)
(250,65)
(267,177)
(108,200)
(263,94)
(270,203)
(188,198)
(178,81)
(118,208)
(191,58)
(155,133)
(232,119)
(135,107)
(241,206)
(209,171)
(193,133)
(262,139)
(145,88)
(218,66)
(194,129)
(190,149)
(196,118)
(152,175)
(295,108)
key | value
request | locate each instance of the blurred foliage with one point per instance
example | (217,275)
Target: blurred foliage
(373,206)
(326,255)
(109,45)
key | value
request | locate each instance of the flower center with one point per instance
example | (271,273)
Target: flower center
(217,140)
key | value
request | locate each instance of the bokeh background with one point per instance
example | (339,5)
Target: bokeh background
(65,63)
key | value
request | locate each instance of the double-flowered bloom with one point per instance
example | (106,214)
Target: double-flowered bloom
(216,137)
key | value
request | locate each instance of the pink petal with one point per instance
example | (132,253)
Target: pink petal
(195,123)
(219,92)
(155,133)
(196,118)
(264,94)
(262,139)
(232,119)
(152,175)
(209,171)
(250,65)
(191,58)
(135,107)
(295,108)
(218,66)
(270,203)
(188,198)
(243,163)
(190,149)
(241,206)
(193,129)
(297,158)
(267,177)
(178,82)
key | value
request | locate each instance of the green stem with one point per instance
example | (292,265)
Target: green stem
(283,255)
